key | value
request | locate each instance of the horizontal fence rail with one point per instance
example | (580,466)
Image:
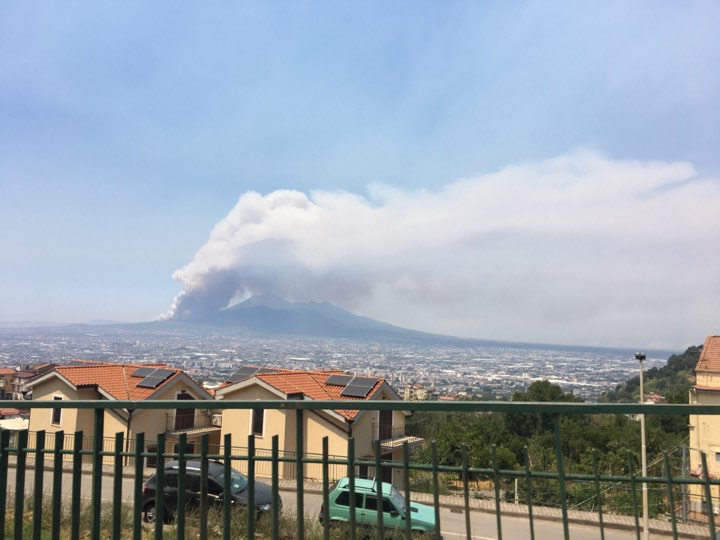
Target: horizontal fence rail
(97,486)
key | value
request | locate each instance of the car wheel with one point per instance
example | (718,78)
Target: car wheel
(149,513)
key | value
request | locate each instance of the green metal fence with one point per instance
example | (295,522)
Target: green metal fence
(56,510)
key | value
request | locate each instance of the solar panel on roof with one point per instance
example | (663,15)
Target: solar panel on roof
(153,376)
(363,381)
(242,373)
(338,380)
(355,391)
(143,371)
(266,370)
(151,382)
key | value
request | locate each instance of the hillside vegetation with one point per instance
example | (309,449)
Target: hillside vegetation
(615,437)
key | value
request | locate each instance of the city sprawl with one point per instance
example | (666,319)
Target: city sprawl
(490,371)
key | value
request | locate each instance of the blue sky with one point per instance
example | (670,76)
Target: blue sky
(128,131)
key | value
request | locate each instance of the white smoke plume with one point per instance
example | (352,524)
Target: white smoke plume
(575,249)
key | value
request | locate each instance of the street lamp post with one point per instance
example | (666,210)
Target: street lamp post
(643,453)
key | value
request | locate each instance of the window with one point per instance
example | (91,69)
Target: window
(344,499)
(56,413)
(151,460)
(717,458)
(214,488)
(192,483)
(258,421)
(371,504)
(171,480)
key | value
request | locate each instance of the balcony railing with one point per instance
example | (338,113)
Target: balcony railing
(28,509)
(393,437)
(195,420)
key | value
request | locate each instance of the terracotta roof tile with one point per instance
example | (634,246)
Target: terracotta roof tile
(710,355)
(312,384)
(115,379)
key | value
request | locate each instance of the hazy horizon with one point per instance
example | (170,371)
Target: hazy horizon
(533,171)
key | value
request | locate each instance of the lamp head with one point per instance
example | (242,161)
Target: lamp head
(640,356)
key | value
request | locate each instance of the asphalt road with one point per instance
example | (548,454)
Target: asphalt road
(483,525)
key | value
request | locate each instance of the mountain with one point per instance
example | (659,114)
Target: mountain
(270,315)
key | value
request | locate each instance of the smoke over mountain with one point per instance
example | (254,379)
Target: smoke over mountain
(562,247)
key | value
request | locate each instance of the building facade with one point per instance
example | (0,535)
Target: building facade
(106,381)
(365,427)
(705,429)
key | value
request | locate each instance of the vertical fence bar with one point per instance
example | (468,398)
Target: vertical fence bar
(633,492)
(496,483)
(598,494)
(671,495)
(117,484)
(159,486)
(528,492)
(227,486)
(379,491)
(57,484)
(299,473)
(275,488)
(139,468)
(351,485)
(77,476)
(99,429)
(4,461)
(325,516)
(406,485)
(708,496)
(182,486)
(436,489)
(20,481)
(204,448)
(38,487)
(251,510)
(561,476)
(466,491)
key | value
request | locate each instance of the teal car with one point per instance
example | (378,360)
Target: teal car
(422,518)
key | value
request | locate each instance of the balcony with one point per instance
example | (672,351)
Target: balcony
(193,423)
(486,497)
(394,437)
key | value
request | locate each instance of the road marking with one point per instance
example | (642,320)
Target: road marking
(446,534)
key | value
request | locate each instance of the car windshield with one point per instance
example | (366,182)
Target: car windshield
(238,482)
(397,498)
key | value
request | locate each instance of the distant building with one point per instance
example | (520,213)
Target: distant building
(417,392)
(705,429)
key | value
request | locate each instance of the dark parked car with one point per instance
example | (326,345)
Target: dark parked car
(239,487)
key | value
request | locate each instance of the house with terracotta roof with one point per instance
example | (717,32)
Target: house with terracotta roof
(364,426)
(705,429)
(109,381)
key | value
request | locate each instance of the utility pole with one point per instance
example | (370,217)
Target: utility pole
(643,454)
(685,472)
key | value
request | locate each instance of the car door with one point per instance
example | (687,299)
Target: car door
(170,491)
(215,492)
(391,515)
(192,489)
(340,508)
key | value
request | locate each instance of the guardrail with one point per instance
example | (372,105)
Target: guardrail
(132,455)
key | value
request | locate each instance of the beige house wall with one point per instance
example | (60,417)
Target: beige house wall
(316,426)
(151,422)
(704,437)
(707,378)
